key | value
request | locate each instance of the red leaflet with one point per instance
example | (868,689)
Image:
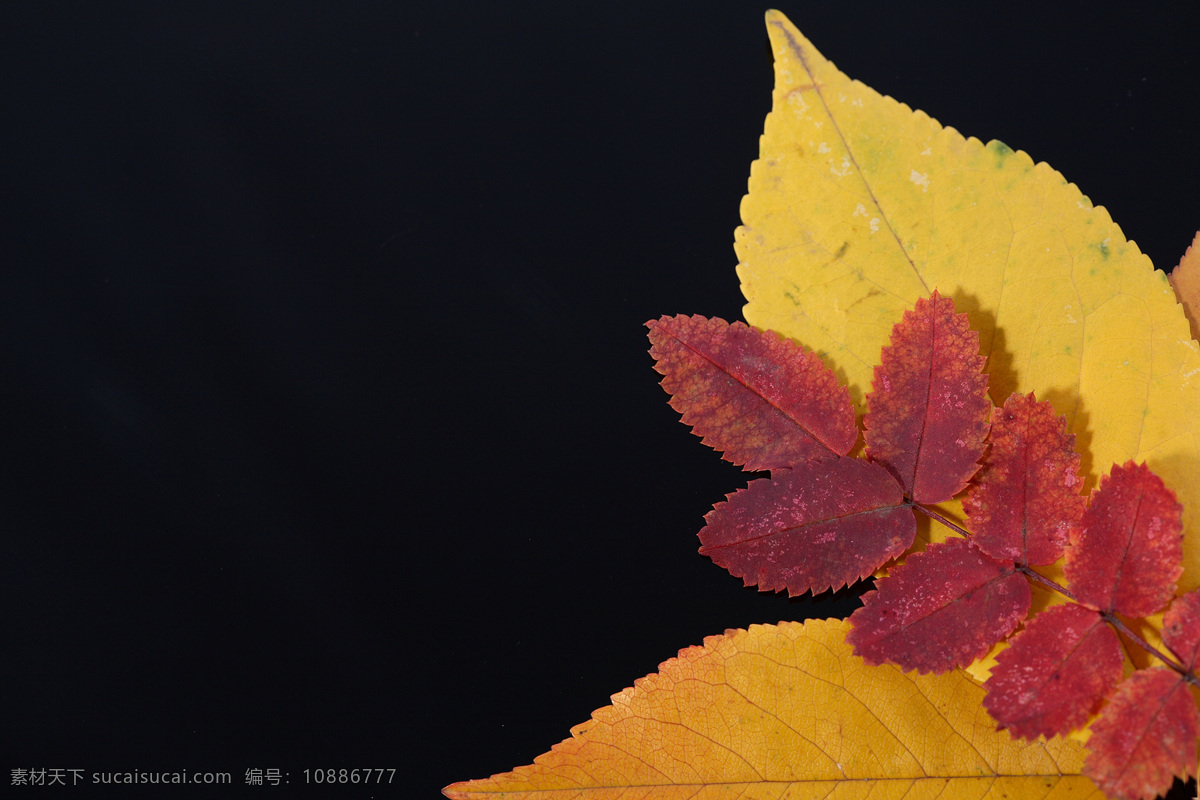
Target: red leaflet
(1054,674)
(820,525)
(1144,737)
(1028,492)
(943,608)
(1127,551)
(1181,627)
(763,400)
(928,410)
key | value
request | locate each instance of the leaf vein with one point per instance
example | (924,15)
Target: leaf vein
(857,168)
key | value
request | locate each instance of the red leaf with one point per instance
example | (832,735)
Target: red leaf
(928,410)
(820,525)
(1127,551)
(1028,492)
(1054,674)
(1181,628)
(1144,737)
(943,608)
(762,399)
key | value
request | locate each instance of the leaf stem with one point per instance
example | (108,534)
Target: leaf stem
(929,512)
(1036,577)
(1124,629)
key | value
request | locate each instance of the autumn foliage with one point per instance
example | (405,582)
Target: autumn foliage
(824,520)
(859,207)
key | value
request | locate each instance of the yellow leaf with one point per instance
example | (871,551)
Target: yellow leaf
(858,205)
(788,711)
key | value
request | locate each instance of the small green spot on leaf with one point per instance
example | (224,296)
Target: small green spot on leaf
(1001,151)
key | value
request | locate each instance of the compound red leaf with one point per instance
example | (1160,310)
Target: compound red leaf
(762,399)
(1144,737)
(1027,496)
(1181,628)
(1127,551)
(943,608)
(1055,673)
(820,525)
(928,409)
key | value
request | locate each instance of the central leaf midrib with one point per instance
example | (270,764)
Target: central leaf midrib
(966,595)
(928,394)
(770,403)
(1133,526)
(816,87)
(790,528)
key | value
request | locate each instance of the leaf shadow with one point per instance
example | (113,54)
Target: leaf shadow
(1002,376)
(1172,469)
(1071,405)
(1004,381)
(857,393)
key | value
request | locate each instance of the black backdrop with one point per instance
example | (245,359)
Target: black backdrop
(330,438)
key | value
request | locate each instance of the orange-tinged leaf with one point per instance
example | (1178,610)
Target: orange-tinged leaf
(858,205)
(942,608)
(789,711)
(764,401)
(1185,280)
(1127,551)
(820,525)
(928,410)
(1054,673)
(1027,496)
(1181,628)
(1145,737)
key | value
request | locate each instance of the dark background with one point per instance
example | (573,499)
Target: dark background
(330,438)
